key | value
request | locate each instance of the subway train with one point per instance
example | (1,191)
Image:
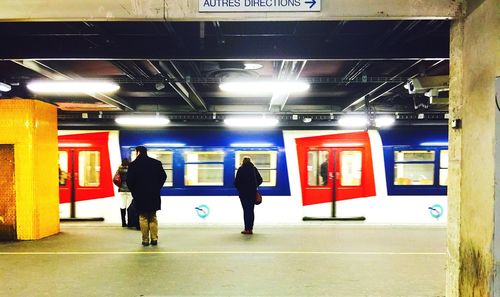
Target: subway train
(386,176)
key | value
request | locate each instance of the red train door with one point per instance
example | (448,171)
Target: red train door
(335,167)
(84,170)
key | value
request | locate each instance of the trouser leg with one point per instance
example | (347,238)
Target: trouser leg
(144,224)
(153,226)
(123,213)
(248,213)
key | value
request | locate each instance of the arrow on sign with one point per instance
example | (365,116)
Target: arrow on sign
(312,2)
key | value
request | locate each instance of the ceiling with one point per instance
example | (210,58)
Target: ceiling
(174,68)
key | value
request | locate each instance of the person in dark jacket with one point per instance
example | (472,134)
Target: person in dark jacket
(145,178)
(247,180)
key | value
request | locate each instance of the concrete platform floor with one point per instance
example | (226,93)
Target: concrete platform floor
(331,259)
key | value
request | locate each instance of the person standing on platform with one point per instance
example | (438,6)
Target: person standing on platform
(247,180)
(145,179)
(120,180)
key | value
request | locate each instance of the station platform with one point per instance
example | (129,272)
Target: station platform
(324,259)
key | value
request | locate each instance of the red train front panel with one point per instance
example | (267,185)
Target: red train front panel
(84,167)
(335,167)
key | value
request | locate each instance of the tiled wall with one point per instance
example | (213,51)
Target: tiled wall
(31,127)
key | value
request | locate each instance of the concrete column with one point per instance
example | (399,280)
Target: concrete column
(473,196)
(28,132)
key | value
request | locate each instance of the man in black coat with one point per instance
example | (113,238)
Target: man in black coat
(145,178)
(246,181)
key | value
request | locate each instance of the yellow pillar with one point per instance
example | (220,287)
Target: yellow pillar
(473,195)
(29,127)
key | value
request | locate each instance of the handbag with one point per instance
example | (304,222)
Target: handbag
(258,198)
(117,179)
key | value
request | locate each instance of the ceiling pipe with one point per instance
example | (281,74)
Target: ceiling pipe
(185,90)
(290,70)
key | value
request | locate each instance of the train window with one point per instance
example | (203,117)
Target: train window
(317,168)
(63,167)
(414,156)
(89,168)
(204,169)
(350,168)
(414,167)
(443,168)
(166,161)
(265,161)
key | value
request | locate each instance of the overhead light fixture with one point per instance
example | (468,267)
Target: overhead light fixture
(353,121)
(251,144)
(251,122)
(164,144)
(384,121)
(142,121)
(5,87)
(435,143)
(72,86)
(74,144)
(252,66)
(264,87)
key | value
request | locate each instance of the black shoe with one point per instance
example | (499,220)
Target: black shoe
(145,243)
(154,242)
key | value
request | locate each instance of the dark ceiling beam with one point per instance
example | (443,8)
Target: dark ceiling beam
(185,89)
(358,69)
(51,73)
(107,39)
(173,33)
(193,94)
(356,103)
(290,70)
(218,33)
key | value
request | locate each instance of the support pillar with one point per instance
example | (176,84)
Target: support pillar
(474,159)
(29,197)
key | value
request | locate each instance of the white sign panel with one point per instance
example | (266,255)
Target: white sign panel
(258,5)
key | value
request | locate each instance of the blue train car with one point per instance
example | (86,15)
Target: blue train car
(416,160)
(204,162)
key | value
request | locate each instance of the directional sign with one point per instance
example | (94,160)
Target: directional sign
(258,5)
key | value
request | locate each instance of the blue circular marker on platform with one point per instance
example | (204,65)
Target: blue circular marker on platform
(202,211)
(436,211)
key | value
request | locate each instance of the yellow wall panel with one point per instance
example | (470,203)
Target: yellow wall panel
(31,126)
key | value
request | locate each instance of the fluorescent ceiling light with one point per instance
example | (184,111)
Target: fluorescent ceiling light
(264,87)
(249,122)
(75,144)
(343,144)
(353,121)
(437,143)
(164,144)
(72,86)
(252,66)
(384,121)
(251,144)
(142,121)
(5,87)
